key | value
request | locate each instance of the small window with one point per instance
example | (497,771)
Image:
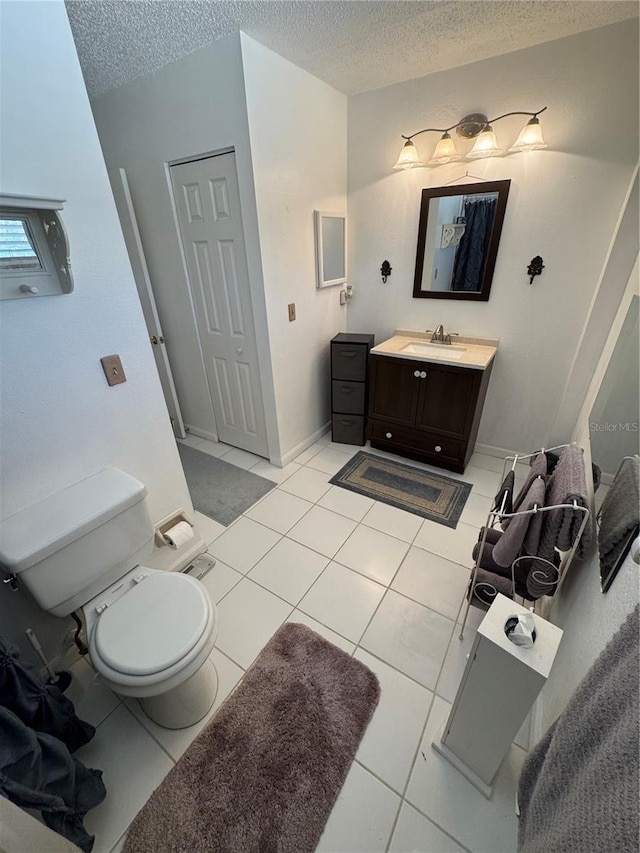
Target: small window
(17,249)
(34,253)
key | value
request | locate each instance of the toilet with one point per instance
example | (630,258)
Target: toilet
(150,632)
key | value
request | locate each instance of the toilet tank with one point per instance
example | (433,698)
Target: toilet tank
(75,543)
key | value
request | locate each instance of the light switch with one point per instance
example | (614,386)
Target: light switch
(292,311)
(113,369)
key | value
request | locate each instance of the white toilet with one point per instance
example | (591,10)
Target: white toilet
(150,632)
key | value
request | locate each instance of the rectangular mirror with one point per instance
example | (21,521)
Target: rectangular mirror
(331,241)
(458,238)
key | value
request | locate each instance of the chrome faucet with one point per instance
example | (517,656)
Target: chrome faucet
(439,337)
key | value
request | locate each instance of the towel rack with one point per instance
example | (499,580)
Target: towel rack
(499,514)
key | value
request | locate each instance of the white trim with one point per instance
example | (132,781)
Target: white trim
(282,461)
(31,202)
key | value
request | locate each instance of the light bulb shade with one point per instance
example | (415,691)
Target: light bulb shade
(445,152)
(530,137)
(486,145)
(409,157)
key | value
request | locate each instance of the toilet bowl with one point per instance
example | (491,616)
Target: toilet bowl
(150,636)
(150,632)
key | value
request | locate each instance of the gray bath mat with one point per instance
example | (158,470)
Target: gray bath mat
(218,489)
(266,771)
(415,490)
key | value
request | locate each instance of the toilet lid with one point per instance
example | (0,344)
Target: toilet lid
(153,625)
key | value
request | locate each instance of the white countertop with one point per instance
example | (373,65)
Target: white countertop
(478,352)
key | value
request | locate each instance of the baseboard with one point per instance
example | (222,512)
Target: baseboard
(298,449)
(201,433)
(498,452)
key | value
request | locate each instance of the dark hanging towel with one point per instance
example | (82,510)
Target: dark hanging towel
(40,706)
(37,771)
(578,790)
(468,268)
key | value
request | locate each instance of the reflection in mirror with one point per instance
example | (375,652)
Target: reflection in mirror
(615,446)
(458,238)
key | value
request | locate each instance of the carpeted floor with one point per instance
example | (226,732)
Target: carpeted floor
(218,489)
(263,776)
(415,490)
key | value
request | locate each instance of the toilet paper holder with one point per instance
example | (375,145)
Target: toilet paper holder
(166,524)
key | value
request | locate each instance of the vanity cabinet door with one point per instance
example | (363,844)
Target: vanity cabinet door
(447,400)
(394,390)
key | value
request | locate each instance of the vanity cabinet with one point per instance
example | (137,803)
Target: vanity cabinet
(349,371)
(426,411)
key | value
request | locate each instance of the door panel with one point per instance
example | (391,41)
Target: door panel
(447,400)
(394,390)
(129,223)
(209,218)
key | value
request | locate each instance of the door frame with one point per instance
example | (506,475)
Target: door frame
(256,287)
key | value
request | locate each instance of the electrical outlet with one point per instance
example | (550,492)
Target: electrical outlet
(292,311)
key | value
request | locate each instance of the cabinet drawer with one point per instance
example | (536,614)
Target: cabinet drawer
(347,429)
(347,397)
(433,444)
(348,362)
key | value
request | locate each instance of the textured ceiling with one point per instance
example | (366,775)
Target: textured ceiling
(354,46)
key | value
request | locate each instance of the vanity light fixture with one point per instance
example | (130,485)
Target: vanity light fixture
(474,126)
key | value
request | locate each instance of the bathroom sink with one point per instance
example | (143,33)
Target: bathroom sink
(448,351)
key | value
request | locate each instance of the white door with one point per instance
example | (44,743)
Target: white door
(208,208)
(124,205)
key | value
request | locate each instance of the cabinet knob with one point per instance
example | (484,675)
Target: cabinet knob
(437,448)
(389,435)
(423,374)
(416,373)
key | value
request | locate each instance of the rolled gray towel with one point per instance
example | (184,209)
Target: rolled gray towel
(542,578)
(487,561)
(486,587)
(493,535)
(523,526)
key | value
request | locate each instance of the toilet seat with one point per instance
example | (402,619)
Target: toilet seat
(152,626)
(175,669)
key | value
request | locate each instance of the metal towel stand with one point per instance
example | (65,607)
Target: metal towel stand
(498,514)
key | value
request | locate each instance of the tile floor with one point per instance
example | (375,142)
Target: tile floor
(382,584)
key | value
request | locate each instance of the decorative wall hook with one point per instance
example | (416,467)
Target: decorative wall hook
(535,268)
(385,271)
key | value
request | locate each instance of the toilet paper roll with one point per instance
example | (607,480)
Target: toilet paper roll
(178,535)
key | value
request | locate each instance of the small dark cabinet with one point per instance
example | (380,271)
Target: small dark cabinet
(349,370)
(430,412)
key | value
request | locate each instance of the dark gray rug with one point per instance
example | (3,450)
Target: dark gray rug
(218,489)
(415,490)
(263,776)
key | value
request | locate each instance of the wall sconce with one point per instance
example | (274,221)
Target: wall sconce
(474,126)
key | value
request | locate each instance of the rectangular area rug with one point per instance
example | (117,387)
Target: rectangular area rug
(415,490)
(263,776)
(218,489)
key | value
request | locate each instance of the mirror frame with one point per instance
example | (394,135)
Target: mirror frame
(482,295)
(318,217)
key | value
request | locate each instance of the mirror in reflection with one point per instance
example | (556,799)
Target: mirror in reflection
(458,239)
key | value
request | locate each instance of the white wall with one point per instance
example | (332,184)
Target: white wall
(60,419)
(563,205)
(297,126)
(194,106)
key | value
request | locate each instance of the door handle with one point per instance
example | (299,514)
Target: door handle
(239,350)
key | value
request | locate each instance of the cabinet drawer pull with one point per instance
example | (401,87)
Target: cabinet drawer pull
(347,422)
(348,353)
(423,374)
(346,389)
(416,373)
(437,448)
(389,435)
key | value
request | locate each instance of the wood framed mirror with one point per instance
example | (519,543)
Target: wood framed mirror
(458,239)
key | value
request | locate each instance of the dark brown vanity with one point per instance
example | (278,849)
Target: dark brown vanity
(428,410)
